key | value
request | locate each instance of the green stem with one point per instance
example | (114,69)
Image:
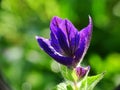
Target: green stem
(75,85)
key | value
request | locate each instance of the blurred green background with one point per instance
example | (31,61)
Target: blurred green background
(24,66)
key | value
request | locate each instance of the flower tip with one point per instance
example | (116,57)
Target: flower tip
(90,19)
(55,17)
(88,67)
(37,37)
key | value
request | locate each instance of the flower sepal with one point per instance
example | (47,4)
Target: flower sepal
(68,73)
(74,74)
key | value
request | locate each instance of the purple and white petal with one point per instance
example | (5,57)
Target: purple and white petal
(45,45)
(55,44)
(58,36)
(85,37)
(63,31)
(54,24)
(71,34)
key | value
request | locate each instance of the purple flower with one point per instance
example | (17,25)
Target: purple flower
(66,45)
(81,71)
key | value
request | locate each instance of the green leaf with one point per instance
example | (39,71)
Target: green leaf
(83,83)
(63,86)
(93,80)
(67,73)
(90,82)
(69,87)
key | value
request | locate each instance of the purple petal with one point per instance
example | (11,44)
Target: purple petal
(85,37)
(71,34)
(57,35)
(63,42)
(53,27)
(55,43)
(64,34)
(54,24)
(68,28)
(75,42)
(45,45)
